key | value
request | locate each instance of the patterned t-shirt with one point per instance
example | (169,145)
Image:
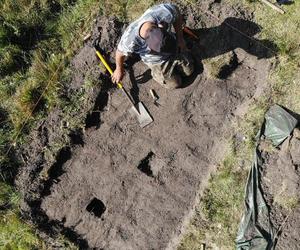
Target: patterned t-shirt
(132,42)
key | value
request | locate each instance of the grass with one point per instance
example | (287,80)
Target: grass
(286,201)
(75,23)
(221,205)
(218,214)
(127,10)
(14,233)
(10,59)
(215,65)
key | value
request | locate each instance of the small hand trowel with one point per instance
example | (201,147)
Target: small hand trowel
(155,98)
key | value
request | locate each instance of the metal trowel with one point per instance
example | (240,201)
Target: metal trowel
(138,110)
(155,98)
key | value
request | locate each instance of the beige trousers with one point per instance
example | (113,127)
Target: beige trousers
(169,73)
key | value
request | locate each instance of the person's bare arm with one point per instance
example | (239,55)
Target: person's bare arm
(118,74)
(178,24)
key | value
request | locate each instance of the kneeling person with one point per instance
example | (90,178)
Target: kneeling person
(164,52)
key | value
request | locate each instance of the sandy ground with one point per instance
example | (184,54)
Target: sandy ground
(123,187)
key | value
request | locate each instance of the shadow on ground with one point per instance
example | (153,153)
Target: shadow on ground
(233,33)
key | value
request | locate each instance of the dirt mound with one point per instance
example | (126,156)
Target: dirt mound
(282,195)
(117,186)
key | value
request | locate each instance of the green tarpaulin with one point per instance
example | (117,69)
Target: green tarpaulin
(255,231)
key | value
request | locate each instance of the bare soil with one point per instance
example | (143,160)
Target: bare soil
(280,183)
(118,186)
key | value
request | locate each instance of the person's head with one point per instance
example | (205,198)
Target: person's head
(153,35)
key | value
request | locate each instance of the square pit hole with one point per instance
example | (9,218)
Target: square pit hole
(145,166)
(96,207)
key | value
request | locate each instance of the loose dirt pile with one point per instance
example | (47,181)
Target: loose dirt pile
(122,187)
(280,182)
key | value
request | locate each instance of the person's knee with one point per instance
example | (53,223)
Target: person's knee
(189,70)
(168,80)
(186,65)
(173,83)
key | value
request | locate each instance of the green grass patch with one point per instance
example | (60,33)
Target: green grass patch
(10,59)
(127,10)
(214,65)
(74,23)
(8,197)
(14,233)
(288,202)
(217,215)
(221,204)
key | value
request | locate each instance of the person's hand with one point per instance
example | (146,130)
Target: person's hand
(182,46)
(118,75)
